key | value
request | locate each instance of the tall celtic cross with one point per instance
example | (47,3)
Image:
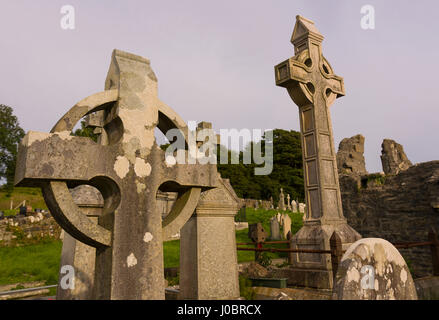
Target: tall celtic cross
(313,86)
(128,168)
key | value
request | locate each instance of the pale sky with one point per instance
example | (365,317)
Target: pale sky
(214,62)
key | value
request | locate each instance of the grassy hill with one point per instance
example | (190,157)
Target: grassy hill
(33,197)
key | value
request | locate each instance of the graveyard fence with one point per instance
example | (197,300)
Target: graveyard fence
(336,250)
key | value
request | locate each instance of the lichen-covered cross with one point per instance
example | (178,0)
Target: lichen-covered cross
(128,168)
(313,86)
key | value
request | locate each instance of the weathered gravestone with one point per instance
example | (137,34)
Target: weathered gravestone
(286,225)
(257,234)
(77,254)
(281,203)
(208,255)
(313,86)
(288,202)
(128,168)
(274,229)
(294,206)
(373,269)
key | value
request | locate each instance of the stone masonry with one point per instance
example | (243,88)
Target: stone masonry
(350,158)
(393,157)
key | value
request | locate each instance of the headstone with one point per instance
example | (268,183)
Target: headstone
(288,202)
(393,157)
(350,156)
(286,225)
(271,203)
(302,207)
(274,229)
(281,204)
(373,269)
(257,233)
(294,206)
(278,217)
(208,255)
(129,170)
(313,86)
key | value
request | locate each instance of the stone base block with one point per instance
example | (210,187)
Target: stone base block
(310,278)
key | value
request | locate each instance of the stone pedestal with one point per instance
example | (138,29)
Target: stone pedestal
(77,254)
(208,255)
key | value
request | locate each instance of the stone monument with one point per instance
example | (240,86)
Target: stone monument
(294,206)
(288,202)
(77,254)
(286,225)
(128,168)
(373,269)
(313,86)
(281,204)
(274,229)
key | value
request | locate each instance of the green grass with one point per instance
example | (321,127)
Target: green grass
(40,262)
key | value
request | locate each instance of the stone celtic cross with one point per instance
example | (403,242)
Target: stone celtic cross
(313,86)
(128,168)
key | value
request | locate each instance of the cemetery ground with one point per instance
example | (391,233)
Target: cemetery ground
(37,261)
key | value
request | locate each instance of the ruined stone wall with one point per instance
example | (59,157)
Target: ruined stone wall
(252,203)
(398,208)
(22,229)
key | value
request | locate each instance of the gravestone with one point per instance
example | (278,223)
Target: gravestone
(274,229)
(208,255)
(281,203)
(288,202)
(128,172)
(286,225)
(77,254)
(313,86)
(257,233)
(393,157)
(302,207)
(271,203)
(294,206)
(373,269)
(278,217)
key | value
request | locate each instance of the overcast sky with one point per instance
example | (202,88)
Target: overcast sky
(214,62)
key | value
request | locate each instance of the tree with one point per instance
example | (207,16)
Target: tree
(287,170)
(85,131)
(10,136)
